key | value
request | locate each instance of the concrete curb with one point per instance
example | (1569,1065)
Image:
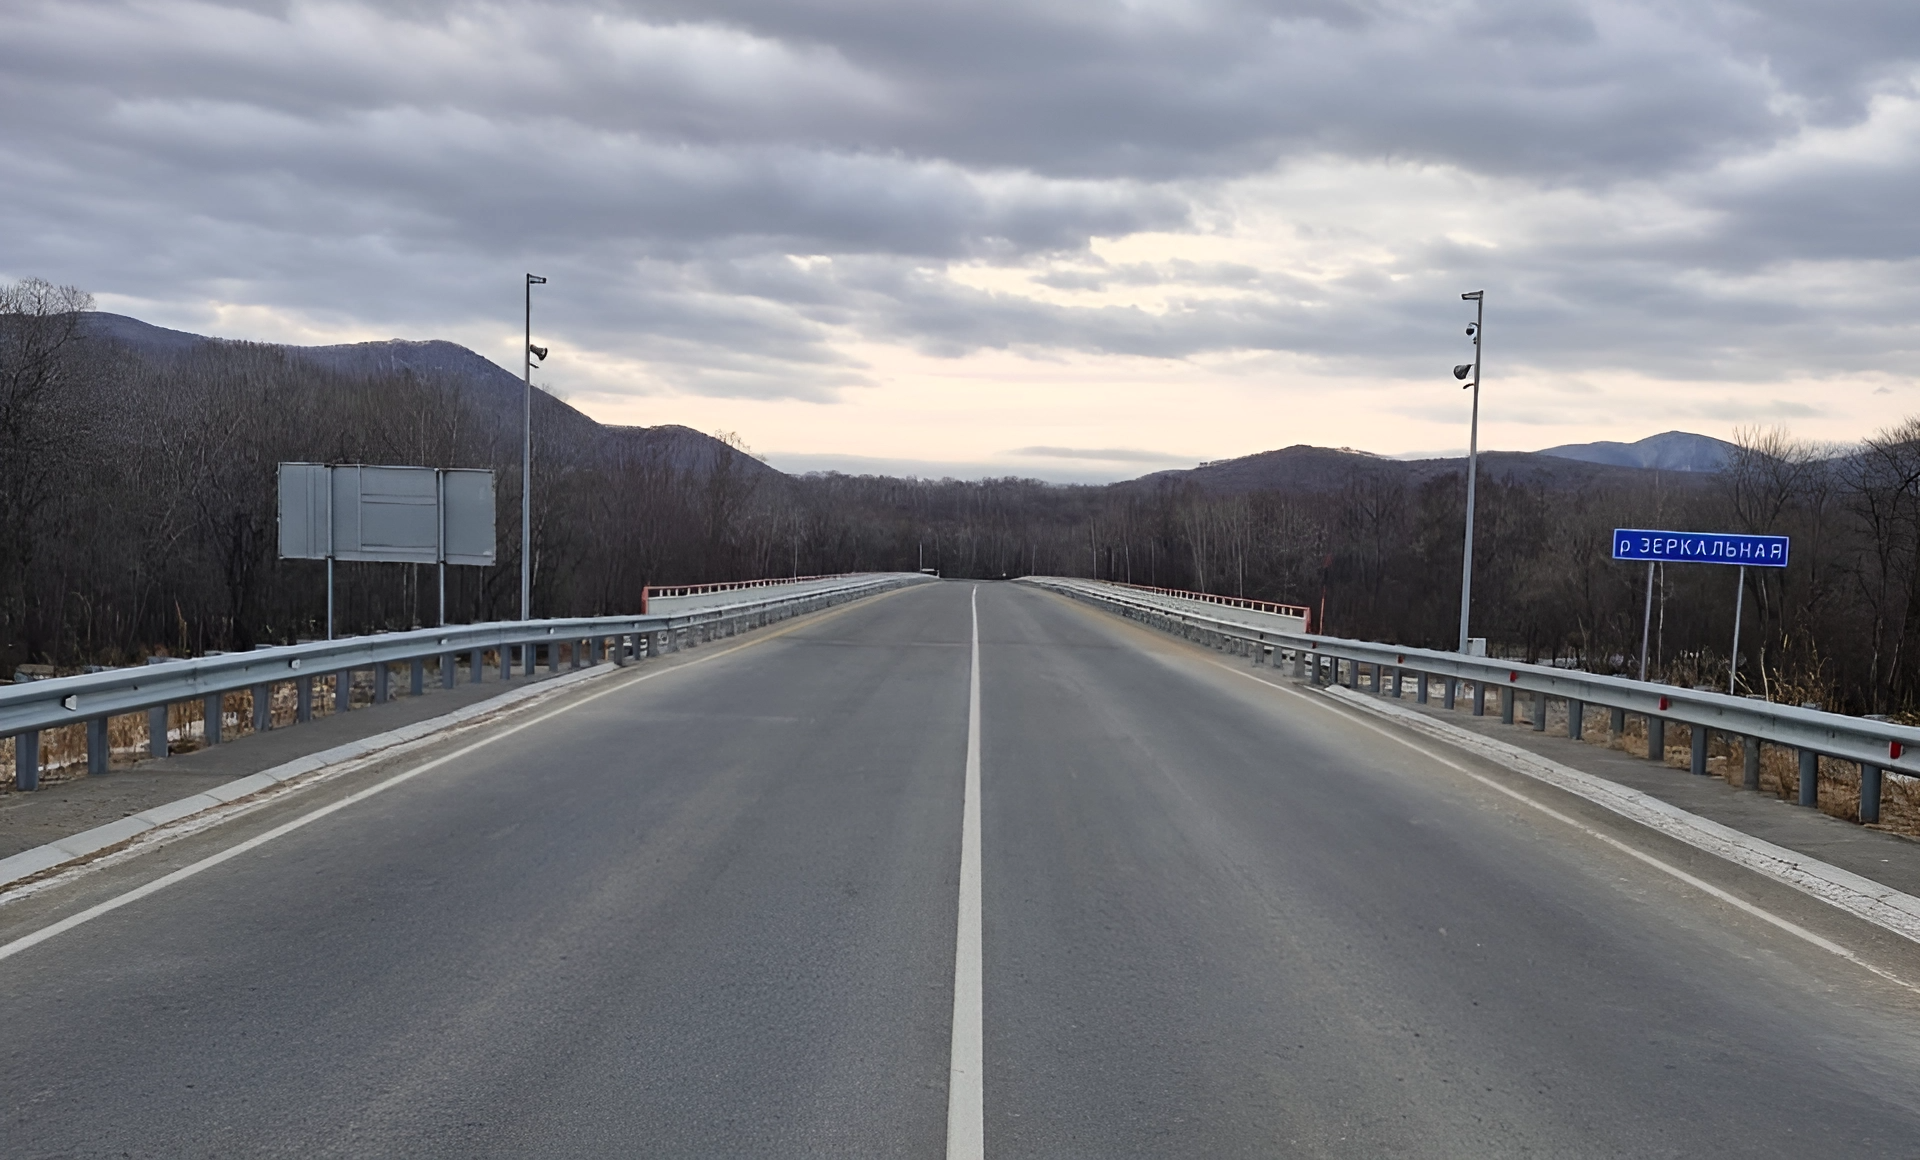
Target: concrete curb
(1881,905)
(41,860)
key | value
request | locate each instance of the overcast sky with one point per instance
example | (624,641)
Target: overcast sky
(1072,240)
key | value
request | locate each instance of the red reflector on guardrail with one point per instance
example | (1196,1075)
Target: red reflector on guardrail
(1894,750)
(1513,676)
(1664,703)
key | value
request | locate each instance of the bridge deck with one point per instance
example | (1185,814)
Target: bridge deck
(708,907)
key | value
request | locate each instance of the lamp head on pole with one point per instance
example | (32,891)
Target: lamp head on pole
(1463,370)
(538,352)
(1473,295)
(536,280)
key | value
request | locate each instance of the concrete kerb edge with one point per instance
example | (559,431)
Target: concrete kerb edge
(62,853)
(1883,906)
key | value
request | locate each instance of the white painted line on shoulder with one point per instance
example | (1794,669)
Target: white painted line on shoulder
(24,942)
(1705,887)
(966,1092)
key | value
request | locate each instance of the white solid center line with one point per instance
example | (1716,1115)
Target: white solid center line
(966,1101)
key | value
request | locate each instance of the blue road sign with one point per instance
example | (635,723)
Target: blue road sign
(1700,547)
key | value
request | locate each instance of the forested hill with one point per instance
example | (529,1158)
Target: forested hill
(492,392)
(138,514)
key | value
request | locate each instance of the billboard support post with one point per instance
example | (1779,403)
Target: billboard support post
(398,515)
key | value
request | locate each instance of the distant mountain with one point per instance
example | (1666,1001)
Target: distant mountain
(1668,451)
(1306,469)
(486,385)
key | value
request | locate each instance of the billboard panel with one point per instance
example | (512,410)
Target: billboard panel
(467,499)
(303,511)
(386,513)
(400,515)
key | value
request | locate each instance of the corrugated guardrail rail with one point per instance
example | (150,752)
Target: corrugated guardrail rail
(1874,746)
(92,698)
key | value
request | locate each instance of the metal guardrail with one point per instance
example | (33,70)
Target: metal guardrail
(1873,745)
(91,698)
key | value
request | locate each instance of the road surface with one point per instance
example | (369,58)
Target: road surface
(711,907)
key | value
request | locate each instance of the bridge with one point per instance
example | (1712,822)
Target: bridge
(897,866)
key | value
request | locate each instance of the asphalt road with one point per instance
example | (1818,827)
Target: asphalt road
(710,909)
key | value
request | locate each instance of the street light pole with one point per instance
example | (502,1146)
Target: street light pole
(1478,298)
(526,462)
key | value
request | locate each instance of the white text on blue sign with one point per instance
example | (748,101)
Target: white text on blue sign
(1700,547)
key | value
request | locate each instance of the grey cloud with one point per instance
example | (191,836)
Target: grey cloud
(404,163)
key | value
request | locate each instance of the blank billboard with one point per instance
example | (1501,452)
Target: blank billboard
(402,515)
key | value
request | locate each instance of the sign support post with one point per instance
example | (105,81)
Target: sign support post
(1733,658)
(1700,548)
(1646,622)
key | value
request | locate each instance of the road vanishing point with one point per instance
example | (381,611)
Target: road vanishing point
(959,870)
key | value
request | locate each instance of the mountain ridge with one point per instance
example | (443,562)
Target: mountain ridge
(1300,468)
(481,381)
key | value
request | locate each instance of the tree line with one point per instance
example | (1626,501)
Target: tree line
(137,516)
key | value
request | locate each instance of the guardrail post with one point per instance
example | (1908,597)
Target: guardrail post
(1701,735)
(1420,689)
(157,731)
(1539,712)
(449,670)
(262,699)
(1576,727)
(1299,662)
(382,683)
(1750,760)
(417,677)
(1809,778)
(343,691)
(213,713)
(1616,723)
(530,654)
(506,662)
(26,760)
(1869,794)
(553,657)
(303,699)
(1451,693)
(1479,698)
(596,649)
(1507,698)
(1656,738)
(98,754)
(478,662)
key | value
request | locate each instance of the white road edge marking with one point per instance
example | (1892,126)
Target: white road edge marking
(966,1093)
(1665,867)
(24,942)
